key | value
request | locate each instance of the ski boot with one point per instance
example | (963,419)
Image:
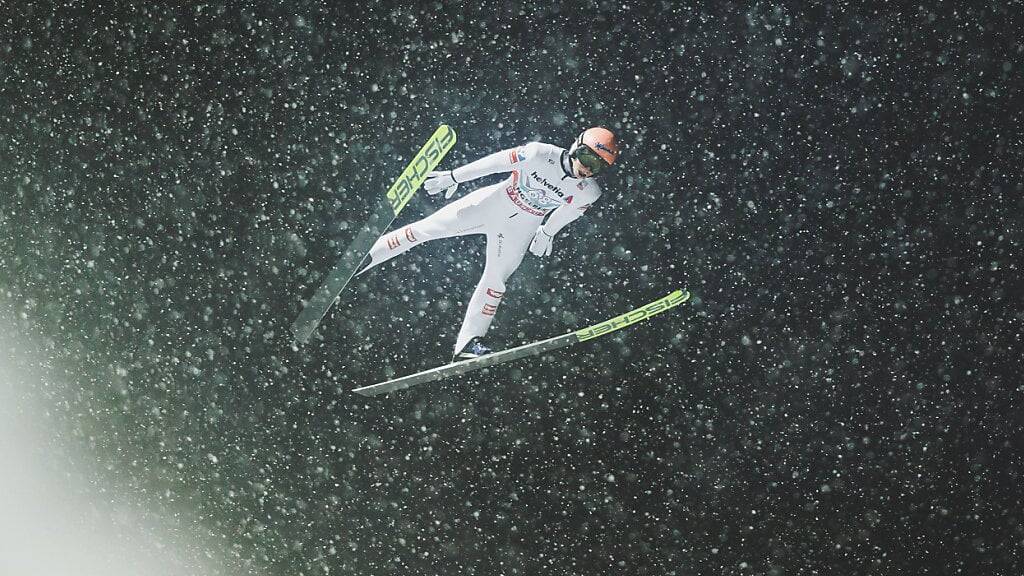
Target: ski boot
(473,349)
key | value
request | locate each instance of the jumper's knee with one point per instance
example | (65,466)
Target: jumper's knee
(493,290)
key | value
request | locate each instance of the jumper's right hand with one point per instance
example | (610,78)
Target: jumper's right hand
(541,244)
(438,181)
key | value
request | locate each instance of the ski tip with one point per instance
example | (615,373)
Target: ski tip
(446,134)
(451,138)
(676,297)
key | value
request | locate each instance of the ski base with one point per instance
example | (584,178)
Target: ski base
(532,349)
(397,197)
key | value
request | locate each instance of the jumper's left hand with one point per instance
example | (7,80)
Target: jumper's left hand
(441,181)
(541,245)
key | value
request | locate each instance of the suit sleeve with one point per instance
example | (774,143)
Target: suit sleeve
(504,161)
(568,213)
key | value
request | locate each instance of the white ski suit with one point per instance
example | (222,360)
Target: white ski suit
(509,213)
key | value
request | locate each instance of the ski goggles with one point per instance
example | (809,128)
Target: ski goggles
(590,159)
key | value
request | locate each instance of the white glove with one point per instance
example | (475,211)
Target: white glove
(541,245)
(438,181)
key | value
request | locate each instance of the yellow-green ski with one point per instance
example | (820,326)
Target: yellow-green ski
(397,197)
(644,312)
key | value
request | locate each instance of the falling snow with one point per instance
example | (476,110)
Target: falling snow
(839,188)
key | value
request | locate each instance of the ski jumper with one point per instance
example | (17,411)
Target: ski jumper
(508,213)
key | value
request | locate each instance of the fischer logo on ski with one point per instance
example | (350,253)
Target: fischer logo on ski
(637,315)
(416,172)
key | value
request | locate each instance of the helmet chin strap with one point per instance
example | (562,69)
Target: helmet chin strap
(568,157)
(567,166)
(575,145)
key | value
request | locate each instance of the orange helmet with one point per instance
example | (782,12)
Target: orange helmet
(596,148)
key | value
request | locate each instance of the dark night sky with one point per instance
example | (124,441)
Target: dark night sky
(838,186)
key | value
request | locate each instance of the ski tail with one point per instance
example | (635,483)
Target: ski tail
(398,195)
(612,324)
